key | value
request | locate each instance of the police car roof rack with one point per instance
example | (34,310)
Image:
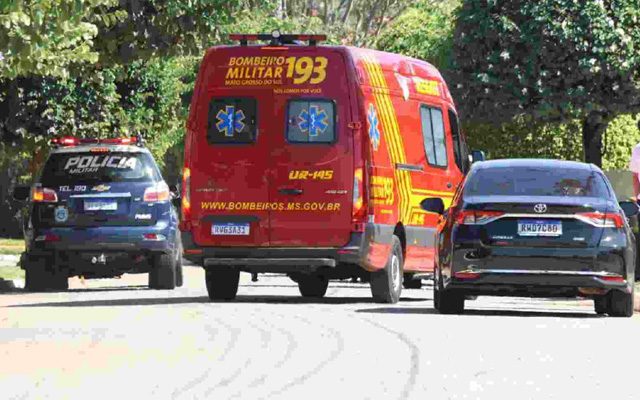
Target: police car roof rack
(275,38)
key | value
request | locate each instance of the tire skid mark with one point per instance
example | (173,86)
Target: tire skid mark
(226,381)
(213,332)
(339,340)
(415,357)
(291,345)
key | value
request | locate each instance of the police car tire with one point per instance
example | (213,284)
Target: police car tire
(163,272)
(41,276)
(178,256)
(385,288)
(222,284)
(620,303)
(313,285)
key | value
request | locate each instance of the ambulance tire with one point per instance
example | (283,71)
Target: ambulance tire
(313,285)
(40,276)
(163,272)
(222,284)
(178,255)
(386,284)
(409,282)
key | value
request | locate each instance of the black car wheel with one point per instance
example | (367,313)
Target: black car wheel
(313,285)
(163,272)
(600,304)
(178,261)
(222,284)
(620,303)
(41,275)
(386,284)
(446,301)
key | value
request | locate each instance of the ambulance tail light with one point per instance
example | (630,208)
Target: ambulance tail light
(359,210)
(158,192)
(185,224)
(44,195)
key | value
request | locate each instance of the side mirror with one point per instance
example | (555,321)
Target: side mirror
(21,193)
(433,204)
(630,208)
(477,155)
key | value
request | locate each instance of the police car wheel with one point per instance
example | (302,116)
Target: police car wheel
(163,272)
(178,261)
(313,285)
(222,284)
(386,284)
(40,275)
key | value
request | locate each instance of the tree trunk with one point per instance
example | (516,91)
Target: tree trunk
(593,128)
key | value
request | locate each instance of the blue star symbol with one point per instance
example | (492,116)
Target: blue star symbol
(374,132)
(230,120)
(314,121)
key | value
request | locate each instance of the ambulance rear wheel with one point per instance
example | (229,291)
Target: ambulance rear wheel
(386,284)
(222,284)
(313,285)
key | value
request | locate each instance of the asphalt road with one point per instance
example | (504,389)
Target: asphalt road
(115,339)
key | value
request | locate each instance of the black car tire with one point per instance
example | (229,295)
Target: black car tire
(446,301)
(409,282)
(386,284)
(620,303)
(41,275)
(163,272)
(222,284)
(600,305)
(313,285)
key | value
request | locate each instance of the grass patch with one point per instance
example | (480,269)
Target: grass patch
(11,246)
(9,273)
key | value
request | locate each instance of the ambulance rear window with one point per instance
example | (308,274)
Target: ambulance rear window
(232,120)
(311,121)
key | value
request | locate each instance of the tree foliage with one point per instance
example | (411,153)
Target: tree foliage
(555,60)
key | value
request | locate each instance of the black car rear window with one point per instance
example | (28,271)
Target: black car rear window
(529,181)
(66,168)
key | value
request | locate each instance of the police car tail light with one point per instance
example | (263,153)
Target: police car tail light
(159,192)
(44,195)
(602,220)
(477,217)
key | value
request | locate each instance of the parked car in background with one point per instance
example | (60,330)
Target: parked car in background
(535,228)
(98,209)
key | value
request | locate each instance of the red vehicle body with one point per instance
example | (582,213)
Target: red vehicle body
(312,161)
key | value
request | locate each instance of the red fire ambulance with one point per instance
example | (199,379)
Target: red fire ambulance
(312,160)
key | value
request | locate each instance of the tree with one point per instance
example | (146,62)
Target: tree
(554,60)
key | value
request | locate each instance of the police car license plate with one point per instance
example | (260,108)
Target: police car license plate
(230,229)
(100,205)
(539,228)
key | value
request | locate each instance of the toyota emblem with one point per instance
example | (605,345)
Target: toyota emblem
(540,208)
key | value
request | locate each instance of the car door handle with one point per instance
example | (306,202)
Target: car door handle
(409,167)
(290,191)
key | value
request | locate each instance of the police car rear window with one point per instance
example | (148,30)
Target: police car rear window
(232,120)
(64,168)
(311,121)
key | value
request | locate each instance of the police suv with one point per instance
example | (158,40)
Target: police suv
(98,209)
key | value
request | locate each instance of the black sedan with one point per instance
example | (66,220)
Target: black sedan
(535,228)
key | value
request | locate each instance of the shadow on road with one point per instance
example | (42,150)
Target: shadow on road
(272,299)
(118,302)
(483,313)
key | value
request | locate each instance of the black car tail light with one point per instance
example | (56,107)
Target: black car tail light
(602,220)
(477,217)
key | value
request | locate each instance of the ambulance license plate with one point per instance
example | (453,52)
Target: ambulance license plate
(230,229)
(100,205)
(539,228)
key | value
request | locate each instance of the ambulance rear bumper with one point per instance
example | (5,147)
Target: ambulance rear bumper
(277,259)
